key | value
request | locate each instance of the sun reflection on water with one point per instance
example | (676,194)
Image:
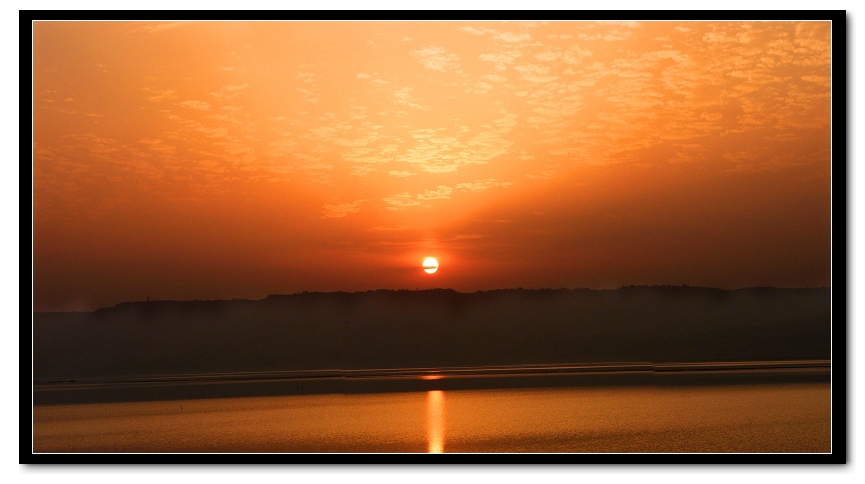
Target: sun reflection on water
(435,421)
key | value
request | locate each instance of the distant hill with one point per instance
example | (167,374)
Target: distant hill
(433,328)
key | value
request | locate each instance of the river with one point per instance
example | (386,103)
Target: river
(720,418)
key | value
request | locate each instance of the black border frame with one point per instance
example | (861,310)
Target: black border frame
(840,240)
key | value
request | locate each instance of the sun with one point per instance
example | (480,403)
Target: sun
(430,265)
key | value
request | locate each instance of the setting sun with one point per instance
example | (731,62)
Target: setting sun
(430,265)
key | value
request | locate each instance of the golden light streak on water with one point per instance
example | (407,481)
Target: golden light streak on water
(435,421)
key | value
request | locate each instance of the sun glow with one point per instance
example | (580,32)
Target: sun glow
(430,265)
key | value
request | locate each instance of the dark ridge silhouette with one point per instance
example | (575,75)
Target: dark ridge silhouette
(433,328)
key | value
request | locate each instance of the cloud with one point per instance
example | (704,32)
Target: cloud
(628,24)
(618,35)
(534,106)
(481,88)
(158,27)
(548,56)
(467,237)
(392,228)
(401,200)
(404,96)
(229,91)
(282,147)
(482,185)
(764,160)
(437,58)
(160,94)
(825,80)
(511,37)
(719,37)
(341,209)
(501,59)
(441,192)
(158,146)
(574,55)
(535,73)
(475,31)
(195,105)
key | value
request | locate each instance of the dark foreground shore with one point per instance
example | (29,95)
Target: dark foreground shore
(250,384)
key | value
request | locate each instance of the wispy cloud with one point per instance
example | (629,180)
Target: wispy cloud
(342,209)
(511,37)
(404,96)
(501,60)
(195,105)
(441,192)
(480,185)
(229,91)
(437,58)
(159,95)
(535,101)
(151,28)
(400,201)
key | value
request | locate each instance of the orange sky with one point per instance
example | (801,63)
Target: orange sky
(211,160)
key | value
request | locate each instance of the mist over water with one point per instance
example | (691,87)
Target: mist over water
(742,418)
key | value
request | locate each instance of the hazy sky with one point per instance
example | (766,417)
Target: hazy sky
(221,159)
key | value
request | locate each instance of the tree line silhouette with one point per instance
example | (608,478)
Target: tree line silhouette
(433,328)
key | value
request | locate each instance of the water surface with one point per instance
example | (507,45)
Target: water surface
(740,418)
